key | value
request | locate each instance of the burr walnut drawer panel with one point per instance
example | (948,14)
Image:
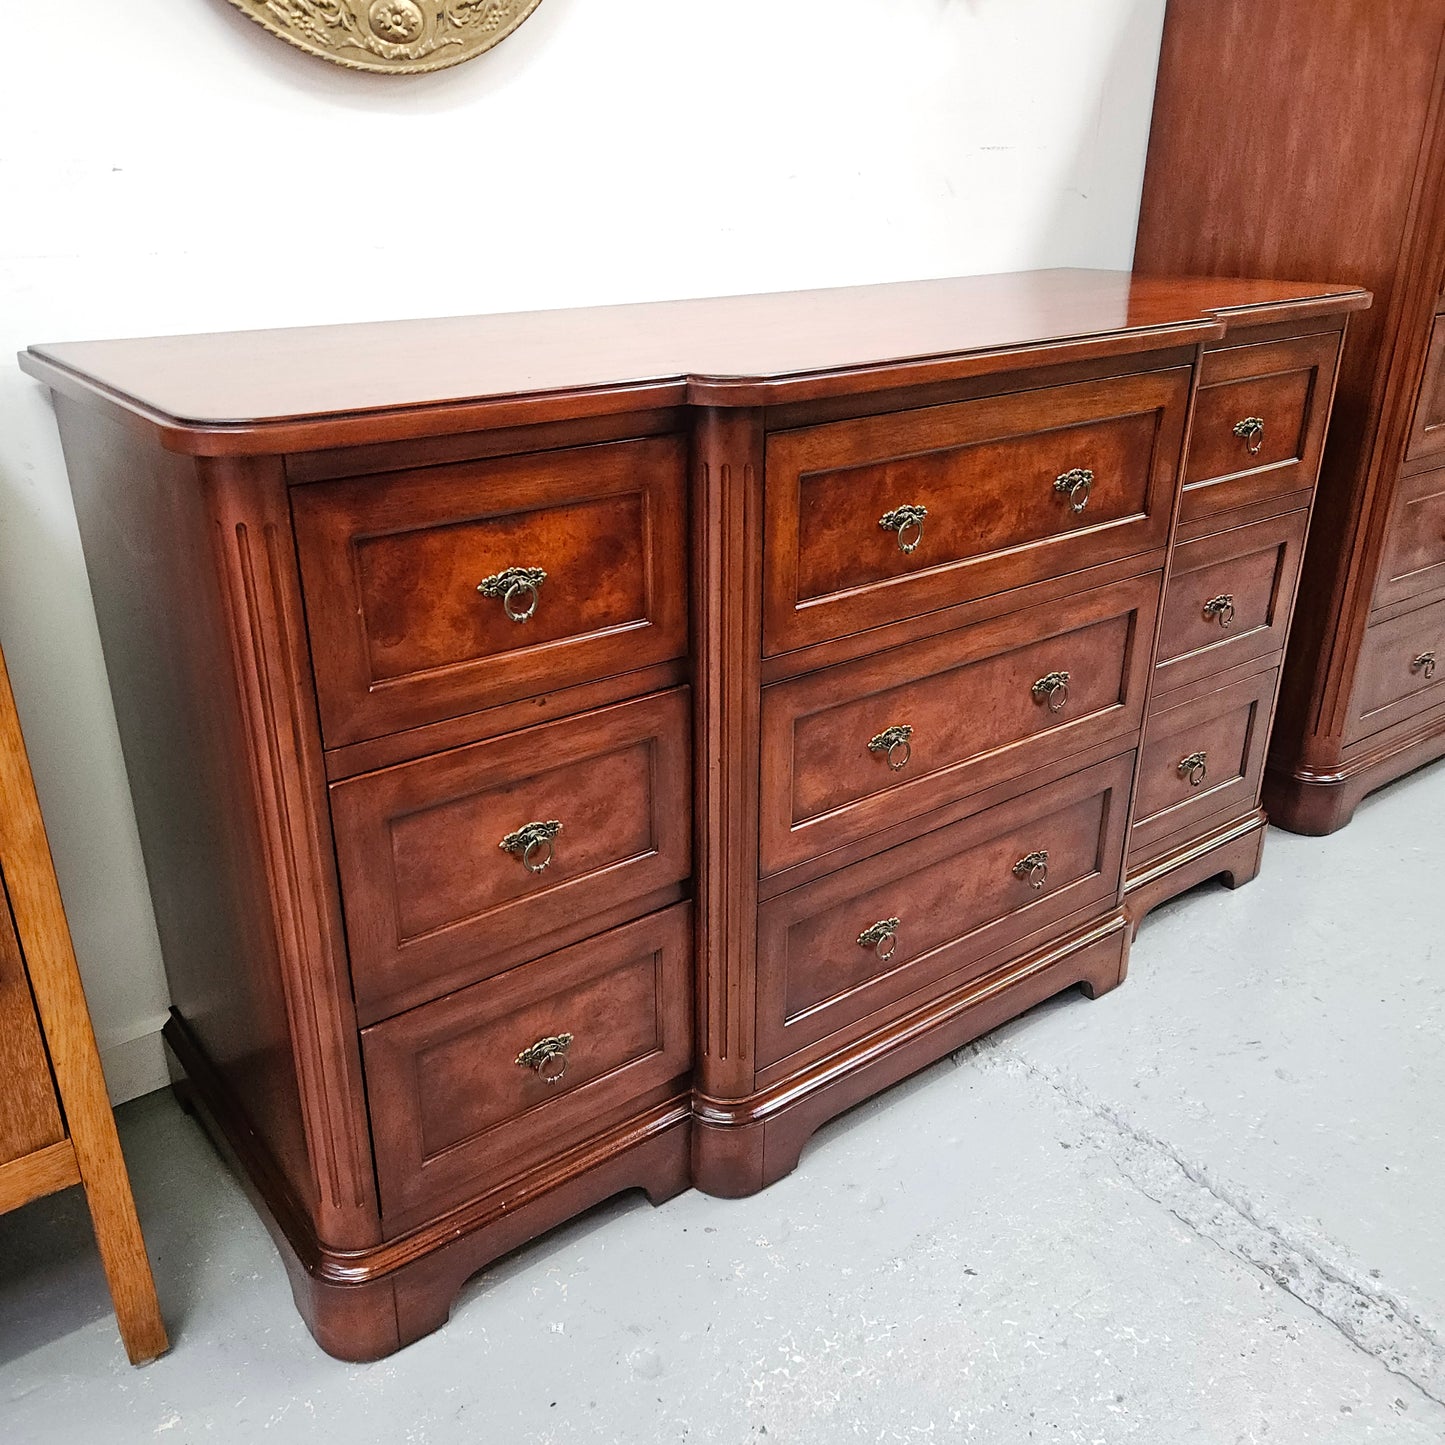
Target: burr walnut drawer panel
(438,592)
(1203,756)
(1230,599)
(478,1087)
(1401,670)
(1415,545)
(855,748)
(1259,422)
(886,517)
(865,939)
(453,867)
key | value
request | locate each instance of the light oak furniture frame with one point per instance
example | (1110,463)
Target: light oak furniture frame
(55,1105)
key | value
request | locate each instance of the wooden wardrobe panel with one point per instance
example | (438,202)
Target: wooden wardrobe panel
(1307,137)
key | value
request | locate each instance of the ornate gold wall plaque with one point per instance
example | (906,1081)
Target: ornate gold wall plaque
(399,37)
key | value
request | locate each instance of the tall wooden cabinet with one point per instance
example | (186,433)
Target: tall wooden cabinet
(1307,137)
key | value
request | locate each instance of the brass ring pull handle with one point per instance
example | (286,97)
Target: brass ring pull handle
(534,845)
(1220,609)
(1033,870)
(1425,664)
(518,589)
(1054,690)
(1251,432)
(882,938)
(1195,768)
(1076,485)
(894,744)
(547,1057)
(907,522)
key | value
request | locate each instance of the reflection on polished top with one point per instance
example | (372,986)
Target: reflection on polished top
(721,351)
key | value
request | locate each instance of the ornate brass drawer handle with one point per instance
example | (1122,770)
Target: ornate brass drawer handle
(533,844)
(895,745)
(547,1057)
(1251,432)
(907,522)
(1054,690)
(518,589)
(882,937)
(1220,609)
(1033,870)
(1076,485)
(1195,768)
(1425,664)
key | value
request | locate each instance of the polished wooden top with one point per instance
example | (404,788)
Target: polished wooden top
(742,350)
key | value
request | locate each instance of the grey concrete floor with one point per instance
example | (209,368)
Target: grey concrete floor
(1205,1208)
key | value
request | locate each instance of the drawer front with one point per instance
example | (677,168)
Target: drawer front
(478,1087)
(1401,670)
(432,897)
(434,593)
(958,895)
(1283,386)
(1415,545)
(1427,434)
(1230,598)
(840,555)
(1203,757)
(978,706)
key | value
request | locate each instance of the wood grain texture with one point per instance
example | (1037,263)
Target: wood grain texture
(363,1305)
(1309,135)
(34,1174)
(1395,682)
(1255,566)
(401,634)
(1237,546)
(956,899)
(304,390)
(727,628)
(44,936)
(1427,430)
(280,762)
(986,472)
(457,1113)
(969,697)
(1414,560)
(1232,853)
(154,552)
(1319,802)
(1287,385)
(775,1123)
(364,737)
(1229,726)
(29,1111)
(433,901)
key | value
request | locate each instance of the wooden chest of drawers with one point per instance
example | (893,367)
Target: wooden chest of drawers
(597,756)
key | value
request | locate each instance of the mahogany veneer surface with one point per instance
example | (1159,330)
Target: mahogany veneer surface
(244,380)
(424,1034)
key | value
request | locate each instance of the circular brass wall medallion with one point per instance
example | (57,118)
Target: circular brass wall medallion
(396,37)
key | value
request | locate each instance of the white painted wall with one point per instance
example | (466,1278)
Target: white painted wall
(166,166)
